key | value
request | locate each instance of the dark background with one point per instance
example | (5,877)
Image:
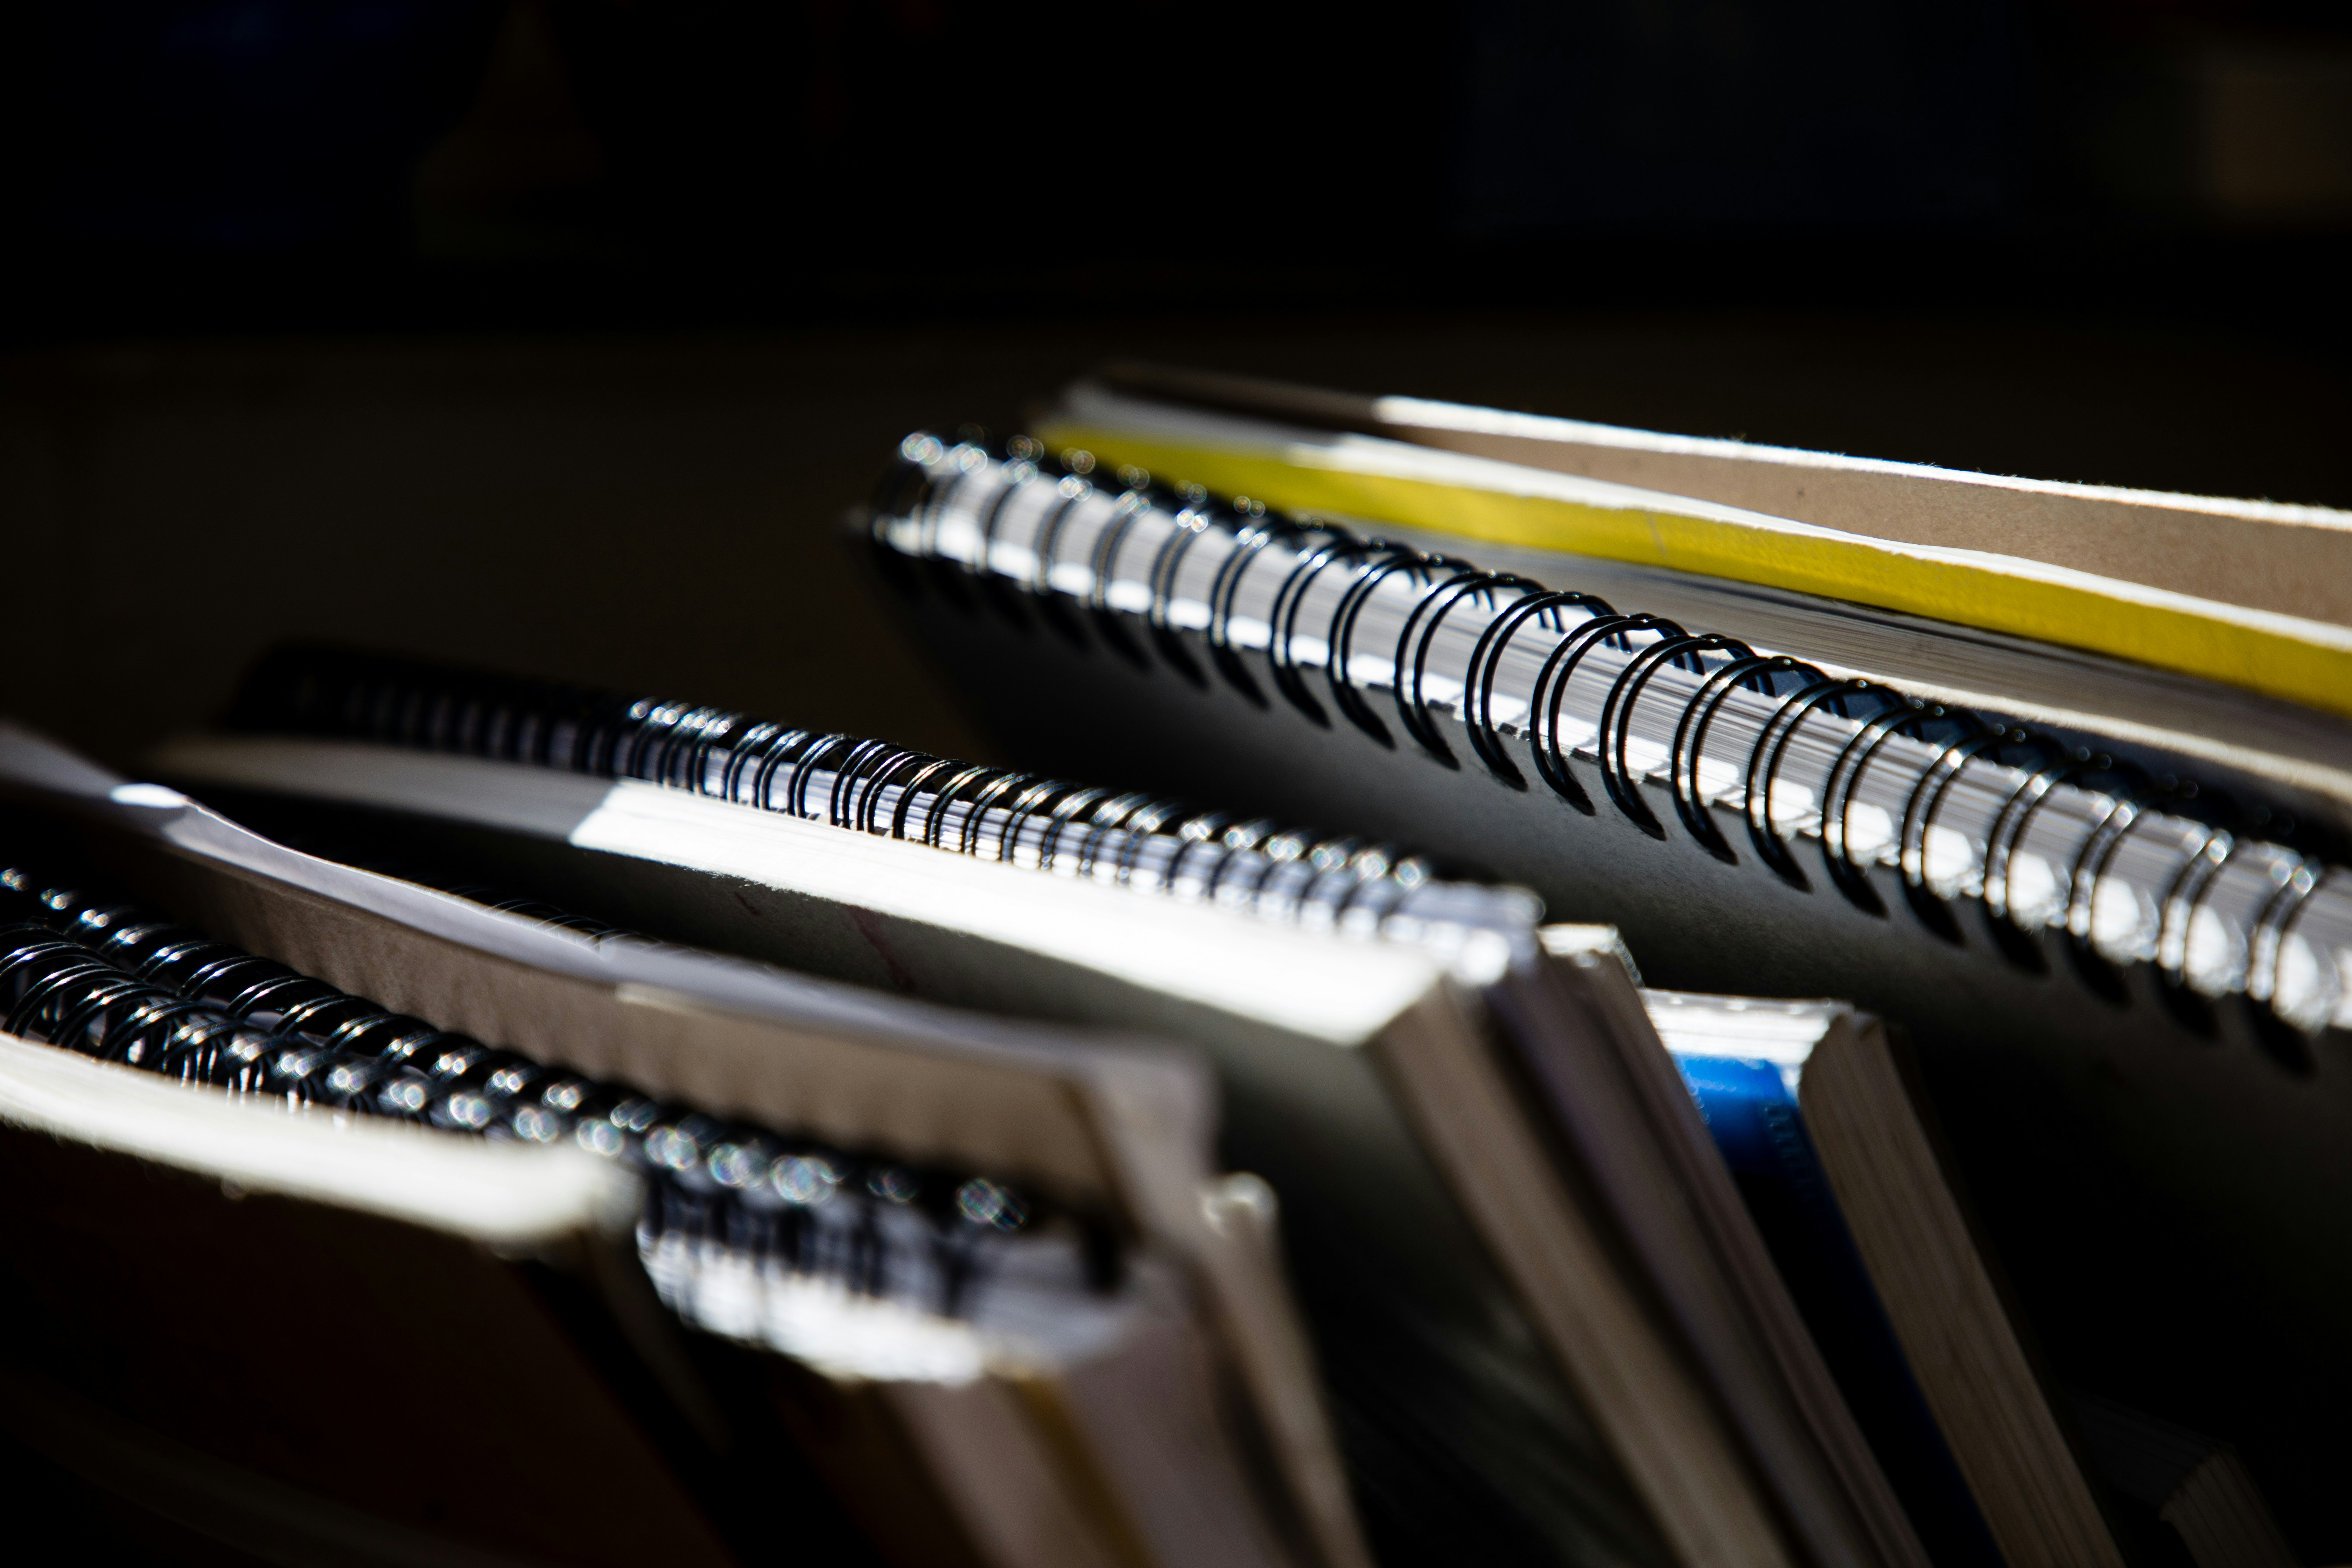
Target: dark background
(557,334)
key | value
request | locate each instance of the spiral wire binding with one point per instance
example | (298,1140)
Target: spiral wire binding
(2218,909)
(116,982)
(1134,840)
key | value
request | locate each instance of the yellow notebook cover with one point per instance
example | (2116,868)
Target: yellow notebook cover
(1371,480)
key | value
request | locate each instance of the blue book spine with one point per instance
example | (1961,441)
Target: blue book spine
(1750,1108)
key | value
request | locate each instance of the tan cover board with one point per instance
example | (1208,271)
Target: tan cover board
(1898,1195)
(2294,560)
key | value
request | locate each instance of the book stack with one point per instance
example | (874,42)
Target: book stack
(1525,992)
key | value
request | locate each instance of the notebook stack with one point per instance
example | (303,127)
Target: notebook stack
(1598,999)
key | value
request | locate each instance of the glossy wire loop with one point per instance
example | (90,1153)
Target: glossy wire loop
(860,785)
(123,985)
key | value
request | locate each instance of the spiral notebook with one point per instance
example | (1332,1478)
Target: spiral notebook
(989,1300)
(2103,904)
(1549,1335)
(1977,1447)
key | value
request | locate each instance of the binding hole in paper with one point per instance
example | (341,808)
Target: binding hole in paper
(1342,637)
(1414,642)
(1550,691)
(1249,541)
(1283,618)
(1126,513)
(1616,728)
(1764,767)
(1847,871)
(1689,746)
(1486,658)
(1166,563)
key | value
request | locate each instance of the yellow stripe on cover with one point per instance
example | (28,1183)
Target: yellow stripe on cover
(1376,481)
